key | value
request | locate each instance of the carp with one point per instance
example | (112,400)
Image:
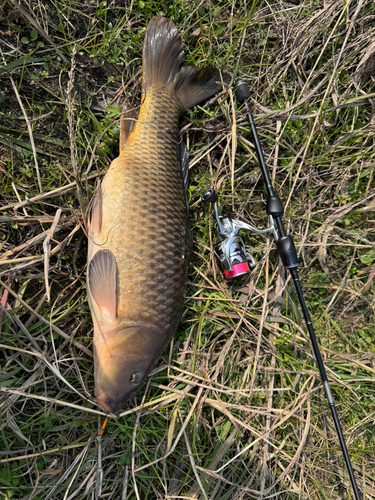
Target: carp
(139,229)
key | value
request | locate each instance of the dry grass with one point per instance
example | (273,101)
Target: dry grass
(235,408)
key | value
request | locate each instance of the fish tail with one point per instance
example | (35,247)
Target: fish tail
(164,65)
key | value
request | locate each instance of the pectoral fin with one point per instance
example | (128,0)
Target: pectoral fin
(102,283)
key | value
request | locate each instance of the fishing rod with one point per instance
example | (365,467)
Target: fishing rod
(230,250)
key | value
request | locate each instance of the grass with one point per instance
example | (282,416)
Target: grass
(235,408)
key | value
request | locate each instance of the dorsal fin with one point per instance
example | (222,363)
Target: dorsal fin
(102,283)
(127,122)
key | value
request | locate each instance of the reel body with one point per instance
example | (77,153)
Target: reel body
(230,248)
(231,251)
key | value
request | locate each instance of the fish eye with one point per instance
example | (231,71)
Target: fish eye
(136,378)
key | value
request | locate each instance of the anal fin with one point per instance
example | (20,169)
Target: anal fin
(102,283)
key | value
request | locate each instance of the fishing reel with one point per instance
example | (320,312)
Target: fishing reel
(230,248)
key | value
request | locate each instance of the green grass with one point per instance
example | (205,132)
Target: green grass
(235,408)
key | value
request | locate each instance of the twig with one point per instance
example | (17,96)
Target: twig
(28,219)
(7,390)
(28,244)
(19,198)
(47,251)
(99,468)
(125,484)
(46,322)
(40,197)
(139,412)
(33,455)
(49,194)
(178,435)
(193,465)
(30,132)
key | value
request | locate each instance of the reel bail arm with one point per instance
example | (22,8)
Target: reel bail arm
(286,249)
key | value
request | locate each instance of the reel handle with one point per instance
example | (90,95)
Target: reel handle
(209,196)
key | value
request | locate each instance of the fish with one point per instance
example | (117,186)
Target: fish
(138,235)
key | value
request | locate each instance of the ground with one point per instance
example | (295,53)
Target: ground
(235,409)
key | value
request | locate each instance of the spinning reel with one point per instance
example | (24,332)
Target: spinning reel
(230,248)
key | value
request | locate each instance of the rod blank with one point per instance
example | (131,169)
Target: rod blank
(286,250)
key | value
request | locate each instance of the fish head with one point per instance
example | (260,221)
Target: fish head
(122,361)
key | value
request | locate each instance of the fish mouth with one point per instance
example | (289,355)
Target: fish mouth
(107,403)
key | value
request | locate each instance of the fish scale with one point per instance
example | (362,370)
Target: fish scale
(149,235)
(139,232)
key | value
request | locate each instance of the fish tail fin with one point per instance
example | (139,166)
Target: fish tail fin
(164,65)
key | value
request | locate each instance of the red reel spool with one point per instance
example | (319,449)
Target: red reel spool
(237,270)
